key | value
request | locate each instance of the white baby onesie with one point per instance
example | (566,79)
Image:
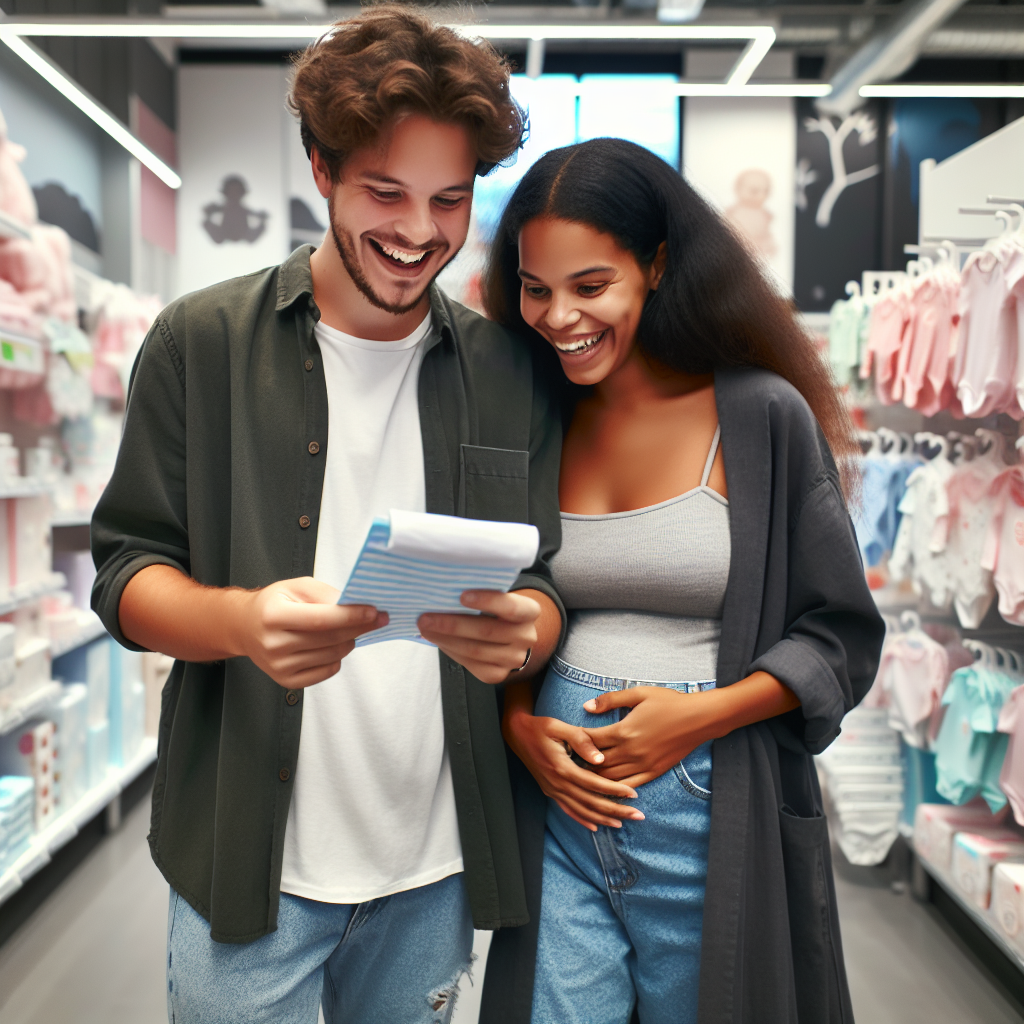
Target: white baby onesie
(919,554)
(1004,547)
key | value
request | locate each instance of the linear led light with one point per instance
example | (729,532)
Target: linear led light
(93,110)
(756,90)
(980,91)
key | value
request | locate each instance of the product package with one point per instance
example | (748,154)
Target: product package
(1008,901)
(935,826)
(976,854)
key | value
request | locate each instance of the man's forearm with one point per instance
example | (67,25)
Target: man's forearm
(164,610)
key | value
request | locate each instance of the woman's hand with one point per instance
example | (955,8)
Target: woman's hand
(665,725)
(540,743)
(660,730)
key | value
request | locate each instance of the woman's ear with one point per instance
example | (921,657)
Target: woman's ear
(657,271)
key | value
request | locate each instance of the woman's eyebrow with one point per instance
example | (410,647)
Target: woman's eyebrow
(526,273)
(589,270)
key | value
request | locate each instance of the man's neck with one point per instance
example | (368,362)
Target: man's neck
(345,308)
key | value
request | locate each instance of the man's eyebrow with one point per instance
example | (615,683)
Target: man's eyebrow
(385,179)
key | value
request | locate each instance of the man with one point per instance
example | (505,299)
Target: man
(270,419)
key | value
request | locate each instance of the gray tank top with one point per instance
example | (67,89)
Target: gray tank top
(644,589)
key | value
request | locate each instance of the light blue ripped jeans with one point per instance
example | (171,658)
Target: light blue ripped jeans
(622,909)
(393,960)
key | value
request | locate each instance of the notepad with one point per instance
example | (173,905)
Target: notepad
(416,562)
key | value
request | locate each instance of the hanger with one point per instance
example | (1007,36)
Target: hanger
(910,621)
(927,440)
(991,445)
(869,442)
(853,289)
(889,441)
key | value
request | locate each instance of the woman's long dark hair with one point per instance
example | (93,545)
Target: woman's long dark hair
(713,307)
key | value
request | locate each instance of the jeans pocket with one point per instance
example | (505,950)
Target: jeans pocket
(694,772)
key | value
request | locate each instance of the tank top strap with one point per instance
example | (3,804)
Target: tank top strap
(711,456)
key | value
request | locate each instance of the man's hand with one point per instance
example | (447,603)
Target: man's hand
(298,633)
(493,644)
(294,630)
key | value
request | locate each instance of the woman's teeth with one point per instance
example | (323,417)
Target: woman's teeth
(403,257)
(580,344)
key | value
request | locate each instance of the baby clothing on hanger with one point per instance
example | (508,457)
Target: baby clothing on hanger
(1011,778)
(917,554)
(969,751)
(986,368)
(924,364)
(846,328)
(963,533)
(914,671)
(1003,554)
(890,316)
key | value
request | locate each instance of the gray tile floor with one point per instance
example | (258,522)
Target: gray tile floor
(93,953)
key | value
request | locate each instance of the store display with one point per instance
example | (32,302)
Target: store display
(1008,901)
(17,804)
(975,855)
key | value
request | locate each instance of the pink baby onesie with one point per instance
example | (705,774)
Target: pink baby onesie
(1011,778)
(889,319)
(962,533)
(914,671)
(985,370)
(1004,546)
(927,385)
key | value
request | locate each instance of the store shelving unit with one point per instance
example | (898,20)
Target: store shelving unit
(93,631)
(65,826)
(984,919)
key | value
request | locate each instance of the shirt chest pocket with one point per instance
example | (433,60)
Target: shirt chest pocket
(494,484)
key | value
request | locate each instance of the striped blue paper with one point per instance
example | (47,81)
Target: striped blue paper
(406,587)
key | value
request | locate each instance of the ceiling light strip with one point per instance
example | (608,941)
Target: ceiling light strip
(949,90)
(763,35)
(43,66)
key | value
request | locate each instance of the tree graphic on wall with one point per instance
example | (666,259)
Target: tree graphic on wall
(836,135)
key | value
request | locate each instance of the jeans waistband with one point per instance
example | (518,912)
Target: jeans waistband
(597,682)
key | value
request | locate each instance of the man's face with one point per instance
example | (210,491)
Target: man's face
(400,211)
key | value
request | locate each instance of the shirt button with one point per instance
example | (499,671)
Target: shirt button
(284,775)
(309,364)
(292,697)
(304,521)
(313,447)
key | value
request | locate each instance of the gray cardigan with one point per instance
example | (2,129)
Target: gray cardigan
(796,606)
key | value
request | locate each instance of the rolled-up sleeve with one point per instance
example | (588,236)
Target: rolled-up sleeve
(829,654)
(141,518)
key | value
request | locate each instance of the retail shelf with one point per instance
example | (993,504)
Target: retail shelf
(11,228)
(26,593)
(24,487)
(29,706)
(93,631)
(71,519)
(65,827)
(984,919)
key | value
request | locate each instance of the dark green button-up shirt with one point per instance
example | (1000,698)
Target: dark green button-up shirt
(217,477)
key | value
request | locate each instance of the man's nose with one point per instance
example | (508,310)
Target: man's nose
(416,224)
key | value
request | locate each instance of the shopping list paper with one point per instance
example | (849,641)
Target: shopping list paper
(416,562)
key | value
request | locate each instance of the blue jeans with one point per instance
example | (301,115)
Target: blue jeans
(393,960)
(622,909)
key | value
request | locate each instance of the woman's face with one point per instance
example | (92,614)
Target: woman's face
(584,293)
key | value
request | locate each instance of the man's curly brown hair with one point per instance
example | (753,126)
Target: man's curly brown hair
(390,60)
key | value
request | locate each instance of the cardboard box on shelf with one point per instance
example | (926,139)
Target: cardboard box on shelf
(935,826)
(975,855)
(1008,901)
(17,805)
(30,752)
(28,530)
(98,752)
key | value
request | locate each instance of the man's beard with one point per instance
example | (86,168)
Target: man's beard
(347,251)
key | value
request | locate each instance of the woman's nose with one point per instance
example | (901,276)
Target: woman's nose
(561,315)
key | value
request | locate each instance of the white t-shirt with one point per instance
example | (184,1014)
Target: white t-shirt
(373,806)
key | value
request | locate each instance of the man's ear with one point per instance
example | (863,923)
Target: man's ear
(657,271)
(321,175)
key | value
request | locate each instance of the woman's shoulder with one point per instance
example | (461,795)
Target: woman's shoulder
(758,407)
(754,391)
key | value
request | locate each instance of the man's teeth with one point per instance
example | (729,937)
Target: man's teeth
(402,257)
(579,344)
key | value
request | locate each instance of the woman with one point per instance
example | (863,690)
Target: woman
(719,626)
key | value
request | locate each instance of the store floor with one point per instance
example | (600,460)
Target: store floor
(93,953)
